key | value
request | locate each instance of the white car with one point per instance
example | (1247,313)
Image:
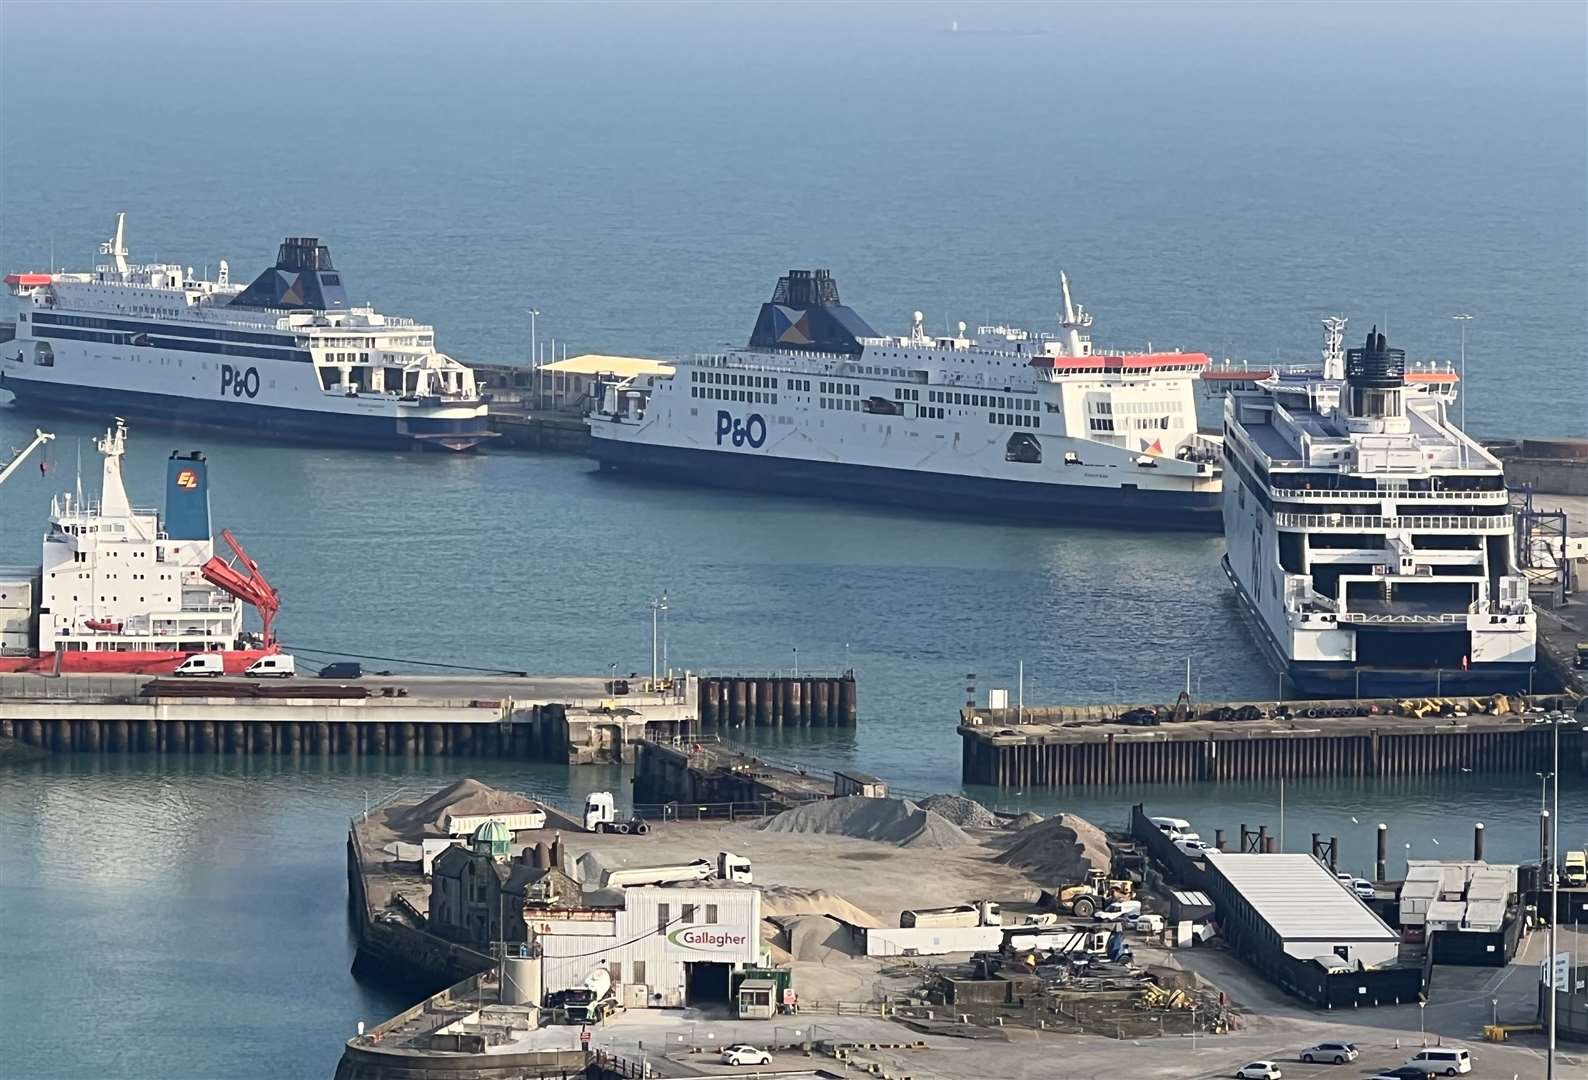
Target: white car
(1364,888)
(1120,909)
(1192,847)
(1337,1052)
(1258,1070)
(745,1054)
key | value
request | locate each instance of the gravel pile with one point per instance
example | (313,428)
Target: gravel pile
(1026,820)
(1058,851)
(462,799)
(966,813)
(889,821)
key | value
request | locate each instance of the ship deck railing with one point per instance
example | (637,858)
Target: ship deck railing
(1405,522)
(1384,492)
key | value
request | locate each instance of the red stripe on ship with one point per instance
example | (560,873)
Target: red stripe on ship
(110,662)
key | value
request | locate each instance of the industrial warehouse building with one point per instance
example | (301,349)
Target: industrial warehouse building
(663,945)
(1293,904)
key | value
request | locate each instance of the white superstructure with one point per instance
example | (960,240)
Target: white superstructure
(288,355)
(1005,422)
(123,588)
(1369,537)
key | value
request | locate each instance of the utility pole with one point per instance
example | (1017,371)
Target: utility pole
(1554,900)
(658,606)
(1463,319)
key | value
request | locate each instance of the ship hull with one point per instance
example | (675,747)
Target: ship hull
(946,493)
(237,418)
(1343,679)
(141,662)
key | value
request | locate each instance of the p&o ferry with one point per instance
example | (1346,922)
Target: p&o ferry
(1369,538)
(1003,423)
(288,356)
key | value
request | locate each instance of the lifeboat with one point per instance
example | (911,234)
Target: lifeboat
(103,625)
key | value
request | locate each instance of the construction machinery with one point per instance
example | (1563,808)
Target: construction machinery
(1094,894)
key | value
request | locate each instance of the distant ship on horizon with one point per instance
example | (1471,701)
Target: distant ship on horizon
(288,356)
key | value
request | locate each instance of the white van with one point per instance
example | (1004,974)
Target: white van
(276,665)
(201,664)
(1172,827)
(1443,1060)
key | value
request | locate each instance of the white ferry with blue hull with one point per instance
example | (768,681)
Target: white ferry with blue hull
(1369,539)
(288,356)
(1007,423)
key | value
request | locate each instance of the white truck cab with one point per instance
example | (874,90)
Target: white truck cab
(276,665)
(201,664)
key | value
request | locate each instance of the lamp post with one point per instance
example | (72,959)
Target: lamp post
(1462,320)
(1554,895)
(796,661)
(658,606)
(534,359)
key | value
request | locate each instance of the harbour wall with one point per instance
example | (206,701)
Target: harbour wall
(1038,755)
(286,726)
(778,700)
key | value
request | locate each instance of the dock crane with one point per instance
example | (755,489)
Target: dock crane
(244,581)
(39,439)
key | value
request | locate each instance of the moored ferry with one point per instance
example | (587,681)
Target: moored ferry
(286,357)
(1369,538)
(1006,423)
(127,590)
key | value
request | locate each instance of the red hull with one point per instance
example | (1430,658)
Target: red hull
(152,662)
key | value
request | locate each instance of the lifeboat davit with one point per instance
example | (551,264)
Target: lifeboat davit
(103,625)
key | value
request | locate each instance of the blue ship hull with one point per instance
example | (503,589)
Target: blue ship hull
(245,420)
(943,493)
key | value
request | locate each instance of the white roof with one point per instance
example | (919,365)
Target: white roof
(1300,898)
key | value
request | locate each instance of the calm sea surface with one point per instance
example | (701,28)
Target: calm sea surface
(1214,178)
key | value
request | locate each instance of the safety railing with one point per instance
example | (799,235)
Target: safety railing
(1383,492)
(1405,522)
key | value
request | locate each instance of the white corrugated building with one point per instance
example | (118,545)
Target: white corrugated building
(1294,903)
(666,946)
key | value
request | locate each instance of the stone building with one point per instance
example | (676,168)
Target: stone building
(478,892)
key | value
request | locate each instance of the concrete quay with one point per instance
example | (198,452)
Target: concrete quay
(1059,746)
(537,718)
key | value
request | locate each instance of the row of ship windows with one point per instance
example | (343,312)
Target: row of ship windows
(842,404)
(220,348)
(1014,420)
(730,378)
(1151,423)
(721,393)
(1134,408)
(986,401)
(88,322)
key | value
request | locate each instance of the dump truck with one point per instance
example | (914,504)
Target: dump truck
(981,913)
(593,1002)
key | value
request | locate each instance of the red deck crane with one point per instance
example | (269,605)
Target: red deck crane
(251,588)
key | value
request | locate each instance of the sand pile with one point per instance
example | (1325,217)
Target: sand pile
(1058,851)
(465,797)
(966,813)
(888,821)
(778,901)
(1025,820)
(812,938)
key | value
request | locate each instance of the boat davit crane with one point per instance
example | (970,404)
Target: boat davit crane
(39,439)
(250,587)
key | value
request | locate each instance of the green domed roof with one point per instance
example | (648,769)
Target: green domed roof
(493,832)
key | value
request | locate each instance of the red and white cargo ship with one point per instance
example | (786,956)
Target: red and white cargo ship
(128,590)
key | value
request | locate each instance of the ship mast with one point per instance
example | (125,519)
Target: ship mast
(1074,319)
(116,246)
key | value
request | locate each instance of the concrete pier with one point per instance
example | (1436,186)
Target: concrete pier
(729,701)
(545,719)
(1074,746)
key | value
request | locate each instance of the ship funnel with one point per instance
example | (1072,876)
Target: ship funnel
(805,315)
(303,277)
(187,497)
(1375,376)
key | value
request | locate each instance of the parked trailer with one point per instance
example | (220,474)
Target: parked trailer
(931,940)
(981,913)
(1089,942)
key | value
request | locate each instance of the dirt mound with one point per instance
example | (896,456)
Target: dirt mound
(966,813)
(780,901)
(465,797)
(1025,820)
(814,938)
(889,821)
(1059,850)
